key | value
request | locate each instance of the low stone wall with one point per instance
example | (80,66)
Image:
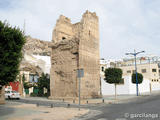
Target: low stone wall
(2,97)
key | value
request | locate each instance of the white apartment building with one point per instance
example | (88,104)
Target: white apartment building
(149,66)
(32,67)
(105,64)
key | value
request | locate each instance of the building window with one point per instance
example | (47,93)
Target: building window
(128,71)
(154,70)
(63,38)
(144,70)
(33,78)
(102,69)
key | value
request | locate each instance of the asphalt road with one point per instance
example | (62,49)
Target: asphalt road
(143,108)
(140,108)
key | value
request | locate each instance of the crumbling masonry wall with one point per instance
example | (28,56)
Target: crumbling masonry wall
(75,46)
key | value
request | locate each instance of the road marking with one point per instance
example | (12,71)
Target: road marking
(121,119)
(102,119)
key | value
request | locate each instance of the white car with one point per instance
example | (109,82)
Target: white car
(12,95)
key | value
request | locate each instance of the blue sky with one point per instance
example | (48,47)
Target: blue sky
(124,25)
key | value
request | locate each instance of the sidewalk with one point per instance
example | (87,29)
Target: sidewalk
(127,98)
(19,111)
(110,99)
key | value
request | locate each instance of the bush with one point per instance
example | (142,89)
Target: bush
(26,85)
(33,94)
(113,75)
(139,77)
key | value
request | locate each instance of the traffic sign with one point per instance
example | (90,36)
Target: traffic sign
(80,73)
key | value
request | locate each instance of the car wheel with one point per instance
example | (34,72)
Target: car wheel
(9,97)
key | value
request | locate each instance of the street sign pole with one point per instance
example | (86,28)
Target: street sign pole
(80,73)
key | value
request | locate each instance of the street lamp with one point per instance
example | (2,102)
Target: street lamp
(135,54)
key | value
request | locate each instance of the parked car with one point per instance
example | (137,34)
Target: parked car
(12,95)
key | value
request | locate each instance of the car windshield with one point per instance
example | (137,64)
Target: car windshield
(7,91)
(14,91)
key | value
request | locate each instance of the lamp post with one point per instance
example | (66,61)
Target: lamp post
(135,57)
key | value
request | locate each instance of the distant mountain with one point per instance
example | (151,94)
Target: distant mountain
(37,47)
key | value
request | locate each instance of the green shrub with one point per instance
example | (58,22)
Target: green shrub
(33,94)
(139,78)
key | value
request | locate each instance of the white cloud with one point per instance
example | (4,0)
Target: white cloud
(124,24)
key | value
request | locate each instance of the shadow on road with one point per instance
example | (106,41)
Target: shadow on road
(6,110)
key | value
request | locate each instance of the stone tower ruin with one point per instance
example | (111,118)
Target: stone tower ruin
(75,46)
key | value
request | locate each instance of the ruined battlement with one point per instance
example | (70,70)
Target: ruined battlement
(64,29)
(88,14)
(63,18)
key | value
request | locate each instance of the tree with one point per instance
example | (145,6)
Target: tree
(113,76)
(43,82)
(139,78)
(12,40)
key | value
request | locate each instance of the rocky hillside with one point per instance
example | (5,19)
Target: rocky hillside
(37,47)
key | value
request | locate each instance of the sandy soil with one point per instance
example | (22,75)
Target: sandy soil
(46,113)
